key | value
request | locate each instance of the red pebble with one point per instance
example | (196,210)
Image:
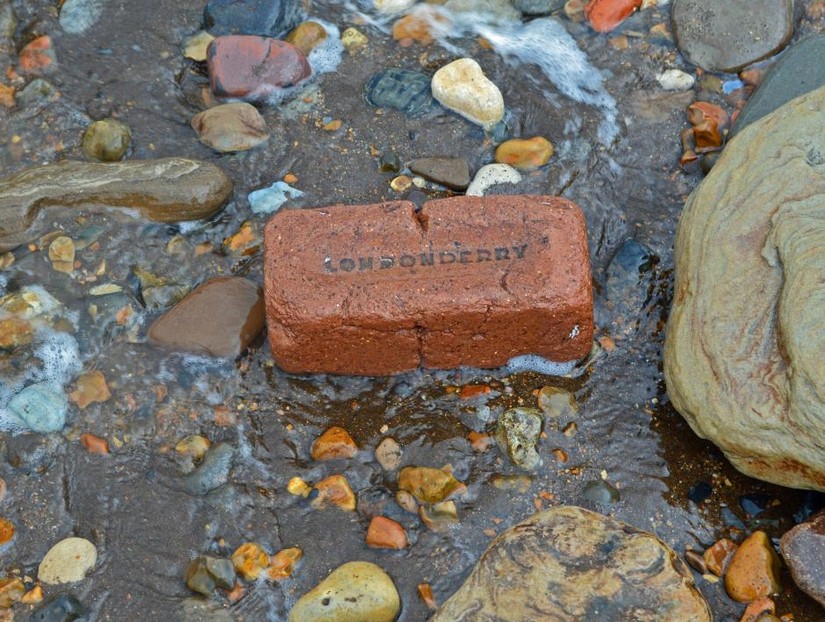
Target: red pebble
(605,15)
(252,67)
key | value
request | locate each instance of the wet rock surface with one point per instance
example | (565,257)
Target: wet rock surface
(170,190)
(728,36)
(569,563)
(803,549)
(747,271)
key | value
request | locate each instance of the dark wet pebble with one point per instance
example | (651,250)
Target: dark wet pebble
(204,574)
(517,432)
(106,140)
(812,502)
(213,472)
(601,492)
(755,504)
(728,36)
(699,492)
(220,318)
(732,520)
(451,172)
(269,18)
(799,71)
(62,608)
(408,91)
(628,277)
(389,163)
(538,7)
(31,453)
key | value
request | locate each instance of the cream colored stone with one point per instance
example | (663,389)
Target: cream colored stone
(390,7)
(355,592)
(462,87)
(196,46)
(68,561)
(743,355)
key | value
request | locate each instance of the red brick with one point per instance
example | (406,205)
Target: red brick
(605,15)
(251,67)
(379,289)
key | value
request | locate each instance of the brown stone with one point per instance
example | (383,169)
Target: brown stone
(251,67)
(717,557)
(306,36)
(95,444)
(6,531)
(605,15)
(385,533)
(381,289)
(91,387)
(219,318)
(429,485)
(283,563)
(803,549)
(754,569)
(333,444)
(334,490)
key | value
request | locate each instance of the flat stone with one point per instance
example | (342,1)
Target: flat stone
(803,549)
(231,127)
(745,334)
(798,71)
(451,172)
(462,87)
(407,91)
(354,592)
(253,68)
(219,318)
(571,564)
(727,36)
(68,561)
(268,18)
(371,289)
(491,175)
(167,190)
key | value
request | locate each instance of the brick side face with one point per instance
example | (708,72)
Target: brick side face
(379,289)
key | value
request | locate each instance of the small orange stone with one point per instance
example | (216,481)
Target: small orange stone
(605,15)
(480,442)
(7,96)
(244,242)
(91,387)
(290,178)
(334,443)
(33,596)
(525,154)
(283,563)
(754,569)
(250,560)
(699,112)
(37,56)
(334,490)
(95,444)
(758,608)
(470,391)
(236,593)
(6,531)
(426,594)
(384,533)
(416,27)
(718,556)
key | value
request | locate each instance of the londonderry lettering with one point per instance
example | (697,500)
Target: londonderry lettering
(426,260)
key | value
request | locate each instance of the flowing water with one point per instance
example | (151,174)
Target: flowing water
(616,135)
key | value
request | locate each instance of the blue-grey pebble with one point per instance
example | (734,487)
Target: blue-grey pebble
(267,18)
(213,472)
(40,407)
(408,91)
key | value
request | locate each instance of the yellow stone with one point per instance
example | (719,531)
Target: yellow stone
(525,154)
(334,490)
(754,570)
(353,38)
(193,445)
(61,254)
(306,36)
(283,563)
(298,487)
(11,591)
(250,560)
(428,485)
(197,45)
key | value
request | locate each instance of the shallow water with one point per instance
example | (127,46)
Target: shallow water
(133,504)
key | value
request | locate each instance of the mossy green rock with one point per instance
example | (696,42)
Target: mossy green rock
(354,592)
(743,354)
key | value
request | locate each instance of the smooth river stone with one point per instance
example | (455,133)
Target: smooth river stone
(743,353)
(68,561)
(462,87)
(803,548)
(354,592)
(568,563)
(230,127)
(727,36)
(167,190)
(219,318)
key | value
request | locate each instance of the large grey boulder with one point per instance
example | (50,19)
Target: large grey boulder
(568,564)
(743,354)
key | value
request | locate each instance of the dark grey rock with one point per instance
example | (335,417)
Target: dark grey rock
(517,433)
(538,7)
(408,91)
(798,71)
(62,608)
(727,36)
(803,548)
(451,172)
(268,18)
(204,574)
(213,472)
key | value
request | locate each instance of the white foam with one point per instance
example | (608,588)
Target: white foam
(326,56)
(4,282)
(60,355)
(538,364)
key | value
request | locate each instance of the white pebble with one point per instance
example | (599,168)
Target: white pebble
(68,561)
(676,80)
(490,175)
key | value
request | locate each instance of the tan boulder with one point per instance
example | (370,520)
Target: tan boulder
(743,355)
